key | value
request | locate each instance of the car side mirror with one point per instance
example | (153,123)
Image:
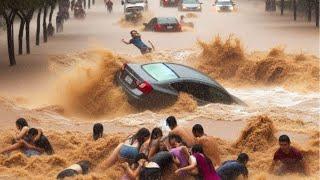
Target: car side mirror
(201,3)
(145,24)
(122,2)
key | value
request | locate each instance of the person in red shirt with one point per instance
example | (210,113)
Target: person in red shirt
(287,159)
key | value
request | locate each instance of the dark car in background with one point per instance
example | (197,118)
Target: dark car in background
(159,84)
(169,3)
(163,24)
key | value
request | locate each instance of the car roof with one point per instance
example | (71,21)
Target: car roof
(182,71)
(187,72)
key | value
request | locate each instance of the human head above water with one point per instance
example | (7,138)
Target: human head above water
(243,158)
(284,142)
(97,131)
(171,122)
(141,136)
(20,123)
(197,130)
(156,133)
(197,148)
(32,133)
(174,140)
(134,33)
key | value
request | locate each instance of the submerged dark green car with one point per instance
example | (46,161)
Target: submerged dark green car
(159,84)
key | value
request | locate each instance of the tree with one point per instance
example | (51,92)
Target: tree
(38,27)
(8,9)
(316,4)
(52,8)
(22,23)
(44,23)
(25,10)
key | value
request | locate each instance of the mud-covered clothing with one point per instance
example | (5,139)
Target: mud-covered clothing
(292,157)
(178,153)
(206,169)
(230,170)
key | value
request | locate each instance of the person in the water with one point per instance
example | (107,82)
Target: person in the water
(136,40)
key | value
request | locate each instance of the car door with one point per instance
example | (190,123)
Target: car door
(202,92)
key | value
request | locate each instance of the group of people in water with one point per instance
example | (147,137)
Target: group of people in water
(150,155)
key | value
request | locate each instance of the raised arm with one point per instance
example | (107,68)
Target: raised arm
(126,42)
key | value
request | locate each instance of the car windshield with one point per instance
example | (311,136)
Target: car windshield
(190,1)
(167,20)
(135,1)
(224,3)
(159,71)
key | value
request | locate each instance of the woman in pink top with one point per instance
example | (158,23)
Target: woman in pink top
(202,163)
(179,151)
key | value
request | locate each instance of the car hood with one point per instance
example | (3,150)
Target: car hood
(224,5)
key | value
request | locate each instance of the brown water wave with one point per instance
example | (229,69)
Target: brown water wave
(257,139)
(227,61)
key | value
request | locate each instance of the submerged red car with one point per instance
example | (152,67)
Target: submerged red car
(169,3)
(163,24)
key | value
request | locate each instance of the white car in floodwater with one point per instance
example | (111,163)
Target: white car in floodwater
(225,6)
(135,4)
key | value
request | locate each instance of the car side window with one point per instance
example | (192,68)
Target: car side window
(197,90)
(202,91)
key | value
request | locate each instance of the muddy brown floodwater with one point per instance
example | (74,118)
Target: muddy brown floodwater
(68,84)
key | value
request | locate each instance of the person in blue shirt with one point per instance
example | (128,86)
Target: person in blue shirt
(230,170)
(136,41)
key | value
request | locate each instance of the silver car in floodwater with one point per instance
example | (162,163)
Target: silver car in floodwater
(159,84)
(190,5)
(225,6)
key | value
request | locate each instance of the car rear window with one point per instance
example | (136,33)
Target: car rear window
(167,20)
(190,1)
(159,71)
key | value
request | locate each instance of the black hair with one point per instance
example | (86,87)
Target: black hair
(243,157)
(140,136)
(21,122)
(133,31)
(197,128)
(284,138)
(32,132)
(85,165)
(156,133)
(171,121)
(67,173)
(175,137)
(197,148)
(97,131)
(140,156)
(45,144)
